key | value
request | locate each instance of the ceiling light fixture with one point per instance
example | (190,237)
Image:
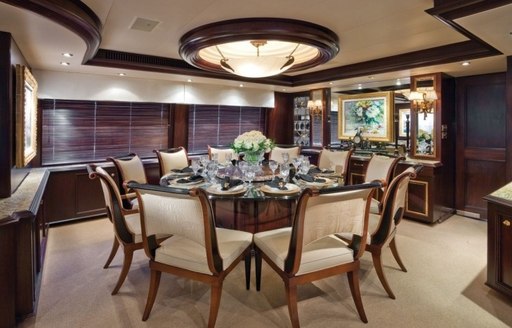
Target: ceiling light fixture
(466,63)
(64,63)
(67,54)
(258,47)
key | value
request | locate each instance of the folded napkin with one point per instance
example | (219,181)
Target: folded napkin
(277,183)
(309,178)
(194,178)
(183,170)
(316,170)
(229,183)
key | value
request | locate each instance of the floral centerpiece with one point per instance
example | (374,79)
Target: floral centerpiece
(252,144)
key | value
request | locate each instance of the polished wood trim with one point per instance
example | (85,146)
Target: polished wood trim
(6,115)
(74,15)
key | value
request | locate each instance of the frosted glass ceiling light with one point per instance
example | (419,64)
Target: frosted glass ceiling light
(258,47)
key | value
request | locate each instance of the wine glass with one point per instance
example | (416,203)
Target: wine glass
(286,157)
(284,170)
(296,163)
(212,169)
(304,168)
(273,165)
(250,174)
(195,165)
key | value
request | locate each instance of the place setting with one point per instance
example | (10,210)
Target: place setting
(227,186)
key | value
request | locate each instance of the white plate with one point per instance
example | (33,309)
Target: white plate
(217,190)
(290,189)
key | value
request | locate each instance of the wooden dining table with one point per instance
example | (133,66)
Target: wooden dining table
(255,209)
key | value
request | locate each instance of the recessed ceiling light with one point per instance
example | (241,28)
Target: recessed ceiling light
(67,54)
(122,74)
(398,82)
(241,85)
(330,83)
(466,63)
(189,80)
(359,86)
(64,63)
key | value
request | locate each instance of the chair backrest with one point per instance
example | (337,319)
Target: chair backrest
(129,168)
(321,213)
(113,202)
(185,213)
(276,154)
(393,201)
(337,160)
(223,155)
(170,159)
(381,167)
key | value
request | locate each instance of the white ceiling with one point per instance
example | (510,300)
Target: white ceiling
(367,30)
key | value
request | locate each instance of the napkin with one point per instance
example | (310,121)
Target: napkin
(309,178)
(194,178)
(316,170)
(277,183)
(229,183)
(183,170)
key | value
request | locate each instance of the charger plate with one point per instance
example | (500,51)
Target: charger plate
(216,189)
(290,189)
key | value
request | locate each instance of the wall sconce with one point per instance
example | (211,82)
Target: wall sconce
(315,108)
(423,101)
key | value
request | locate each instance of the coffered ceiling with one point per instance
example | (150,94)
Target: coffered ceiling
(380,41)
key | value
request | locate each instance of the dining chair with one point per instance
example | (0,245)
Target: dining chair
(129,168)
(223,154)
(126,222)
(276,154)
(197,250)
(380,167)
(383,226)
(337,160)
(171,158)
(311,250)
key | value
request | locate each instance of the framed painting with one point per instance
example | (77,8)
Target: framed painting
(26,116)
(369,113)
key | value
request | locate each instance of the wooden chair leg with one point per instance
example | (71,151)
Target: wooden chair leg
(247,261)
(377,263)
(394,250)
(154,283)
(115,247)
(216,293)
(257,263)
(353,282)
(291,295)
(127,262)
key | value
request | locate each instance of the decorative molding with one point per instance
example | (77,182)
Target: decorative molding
(76,16)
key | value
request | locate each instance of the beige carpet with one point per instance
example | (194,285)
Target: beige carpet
(443,288)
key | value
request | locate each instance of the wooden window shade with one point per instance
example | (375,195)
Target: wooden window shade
(220,125)
(85,131)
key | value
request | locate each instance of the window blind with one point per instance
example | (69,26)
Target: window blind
(220,125)
(85,131)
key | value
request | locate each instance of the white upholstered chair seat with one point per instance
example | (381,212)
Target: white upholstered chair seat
(187,254)
(320,254)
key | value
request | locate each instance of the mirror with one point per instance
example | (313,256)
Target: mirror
(316,106)
(423,110)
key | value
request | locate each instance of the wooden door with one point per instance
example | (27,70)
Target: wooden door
(481,140)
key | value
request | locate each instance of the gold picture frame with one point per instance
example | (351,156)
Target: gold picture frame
(370,113)
(26,116)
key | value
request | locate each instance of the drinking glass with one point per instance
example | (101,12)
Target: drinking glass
(273,165)
(304,168)
(227,158)
(296,163)
(195,165)
(212,169)
(250,174)
(284,170)
(286,157)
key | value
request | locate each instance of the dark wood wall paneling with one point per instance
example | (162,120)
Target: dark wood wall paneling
(280,119)
(6,135)
(481,140)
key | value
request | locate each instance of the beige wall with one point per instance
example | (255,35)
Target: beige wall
(76,86)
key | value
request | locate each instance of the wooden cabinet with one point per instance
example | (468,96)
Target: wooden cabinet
(499,240)
(70,194)
(430,194)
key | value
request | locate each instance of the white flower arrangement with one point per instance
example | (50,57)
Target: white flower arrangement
(252,141)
